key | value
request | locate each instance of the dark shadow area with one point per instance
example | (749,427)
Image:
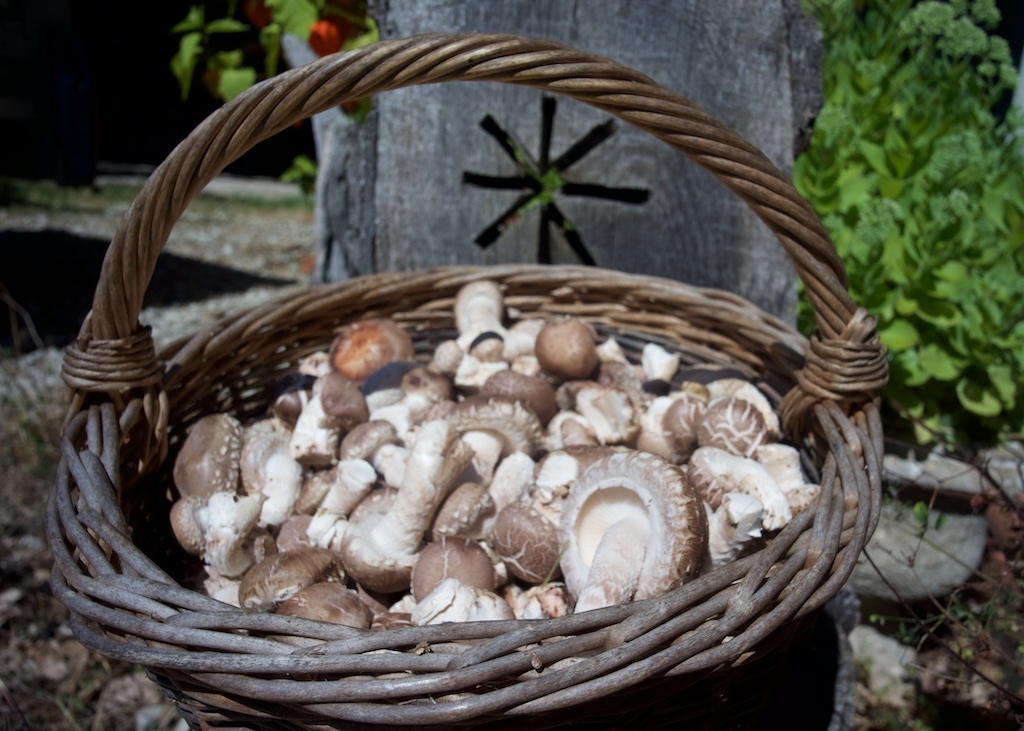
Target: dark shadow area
(50,277)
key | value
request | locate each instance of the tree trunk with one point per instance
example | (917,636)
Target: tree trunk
(414,185)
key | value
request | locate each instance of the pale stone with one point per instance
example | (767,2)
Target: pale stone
(919,566)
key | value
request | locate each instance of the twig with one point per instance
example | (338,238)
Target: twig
(19,715)
(1014,698)
(13,309)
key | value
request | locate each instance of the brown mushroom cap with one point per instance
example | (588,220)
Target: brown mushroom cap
(682,422)
(361,348)
(366,438)
(527,542)
(208,460)
(533,392)
(278,577)
(566,349)
(733,424)
(186,524)
(462,511)
(627,490)
(342,401)
(328,602)
(451,557)
(518,427)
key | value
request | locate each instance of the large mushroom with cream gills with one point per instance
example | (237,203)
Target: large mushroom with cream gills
(633,528)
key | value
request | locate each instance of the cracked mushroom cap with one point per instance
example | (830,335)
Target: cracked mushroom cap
(451,557)
(733,424)
(633,528)
(208,460)
(527,542)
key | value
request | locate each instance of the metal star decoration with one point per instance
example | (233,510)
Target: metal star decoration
(541,179)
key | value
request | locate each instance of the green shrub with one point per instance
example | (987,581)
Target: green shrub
(922,190)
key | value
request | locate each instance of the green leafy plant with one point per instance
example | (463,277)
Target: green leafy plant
(922,189)
(234,47)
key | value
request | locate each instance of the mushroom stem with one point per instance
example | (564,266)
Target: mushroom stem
(615,568)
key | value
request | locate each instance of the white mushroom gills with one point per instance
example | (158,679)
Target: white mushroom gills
(633,528)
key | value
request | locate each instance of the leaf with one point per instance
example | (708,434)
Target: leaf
(233,82)
(951,271)
(193,21)
(183,63)
(900,335)
(939,364)
(921,514)
(226,25)
(875,155)
(294,16)
(854,186)
(270,39)
(1001,377)
(940,520)
(890,187)
(939,312)
(977,399)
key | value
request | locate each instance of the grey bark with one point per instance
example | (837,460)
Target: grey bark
(402,204)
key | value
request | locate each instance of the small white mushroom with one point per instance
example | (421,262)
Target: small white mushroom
(568,428)
(610,351)
(715,472)
(354,479)
(390,461)
(446,358)
(543,601)
(521,339)
(479,307)
(658,364)
(610,413)
(268,469)
(453,601)
(315,438)
(228,520)
(734,529)
(511,479)
(633,528)
(473,373)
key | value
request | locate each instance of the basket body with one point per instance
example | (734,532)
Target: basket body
(711,651)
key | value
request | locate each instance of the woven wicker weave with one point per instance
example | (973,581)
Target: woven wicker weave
(709,651)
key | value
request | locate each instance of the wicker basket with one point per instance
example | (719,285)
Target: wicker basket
(710,651)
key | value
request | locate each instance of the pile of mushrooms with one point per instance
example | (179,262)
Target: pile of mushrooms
(525,471)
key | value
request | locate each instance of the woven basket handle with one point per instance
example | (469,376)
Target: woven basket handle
(274,105)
